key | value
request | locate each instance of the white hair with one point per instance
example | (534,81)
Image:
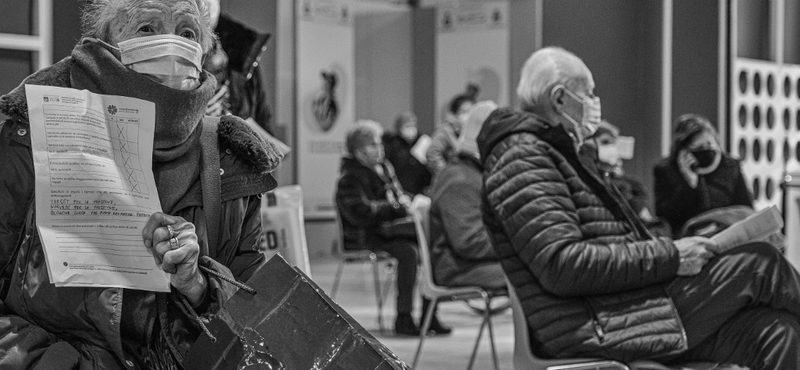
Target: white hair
(544,69)
(361,134)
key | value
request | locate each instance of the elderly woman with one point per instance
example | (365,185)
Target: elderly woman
(152,50)
(697,176)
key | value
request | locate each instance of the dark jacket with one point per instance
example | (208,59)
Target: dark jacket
(413,175)
(590,277)
(108,325)
(241,48)
(365,200)
(459,240)
(677,202)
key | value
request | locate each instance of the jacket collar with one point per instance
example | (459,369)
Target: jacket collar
(507,121)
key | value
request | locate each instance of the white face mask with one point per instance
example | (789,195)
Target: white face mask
(409,133)
(590,118)
(608,154)
(171,60)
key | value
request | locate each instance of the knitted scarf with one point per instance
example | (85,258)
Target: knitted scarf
(177,151)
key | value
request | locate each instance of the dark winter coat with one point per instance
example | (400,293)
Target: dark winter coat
(590,277)
(677,202)
(365,201)
(459,240)
(413,175)
(104,327)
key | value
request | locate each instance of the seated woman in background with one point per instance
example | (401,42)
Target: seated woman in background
(370,199)
(461,252)
(697,176)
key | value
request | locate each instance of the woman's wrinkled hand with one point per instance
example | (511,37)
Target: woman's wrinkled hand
(172,242)
(686,162)
(695,251)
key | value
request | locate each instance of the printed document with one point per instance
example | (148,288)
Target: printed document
(755,227)
(95,188)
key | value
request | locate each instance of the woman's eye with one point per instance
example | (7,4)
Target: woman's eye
(188,34)
(146,29)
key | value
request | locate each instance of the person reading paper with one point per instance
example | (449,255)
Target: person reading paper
(151,50)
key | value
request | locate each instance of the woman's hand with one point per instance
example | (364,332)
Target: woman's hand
(173,243)
(695,251)
(686,161)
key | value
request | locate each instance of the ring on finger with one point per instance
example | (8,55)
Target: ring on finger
(172,232)
(173,243)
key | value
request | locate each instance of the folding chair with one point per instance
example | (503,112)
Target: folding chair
(437,293)
(525,359)
(361,256)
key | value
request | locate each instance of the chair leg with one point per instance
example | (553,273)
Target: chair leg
(336,279)
(424,330)
(373,259)
(477,343)
(388,283)
(488,319)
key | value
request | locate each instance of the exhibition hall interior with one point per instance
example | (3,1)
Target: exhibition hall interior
(400,184)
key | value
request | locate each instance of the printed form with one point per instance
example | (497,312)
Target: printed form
(95,188)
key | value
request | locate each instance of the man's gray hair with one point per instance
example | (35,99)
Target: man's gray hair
(361,134)
(544,69)
(99,14)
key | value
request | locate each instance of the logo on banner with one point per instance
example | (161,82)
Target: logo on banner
(474,17)
(326,105)
(329,11)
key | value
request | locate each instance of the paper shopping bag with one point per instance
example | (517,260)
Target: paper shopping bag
(282,226)
(301,327)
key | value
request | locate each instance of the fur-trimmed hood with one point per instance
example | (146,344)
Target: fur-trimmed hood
(245,141)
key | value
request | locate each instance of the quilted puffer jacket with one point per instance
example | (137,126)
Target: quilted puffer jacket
(590,276)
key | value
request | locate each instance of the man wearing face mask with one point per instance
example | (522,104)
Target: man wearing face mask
(697,176)
(413,175)
(592,280)
(209,173)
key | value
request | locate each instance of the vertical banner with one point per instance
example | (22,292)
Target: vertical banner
(325,90)
(472,46)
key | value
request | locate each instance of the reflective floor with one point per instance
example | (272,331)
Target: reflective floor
(356,295)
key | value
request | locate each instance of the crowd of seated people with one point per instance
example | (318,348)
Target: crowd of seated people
(537,194)
(374,212)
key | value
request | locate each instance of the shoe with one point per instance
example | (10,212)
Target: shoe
(404,325)
(437,328)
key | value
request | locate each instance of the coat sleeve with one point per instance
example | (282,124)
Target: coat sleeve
(16,185)
(533,203)
(459,205)
(676,201)
(741,194)
(359,208)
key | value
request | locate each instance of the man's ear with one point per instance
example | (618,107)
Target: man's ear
(557,98)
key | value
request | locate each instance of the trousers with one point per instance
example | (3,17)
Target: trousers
(405,251)
(743,308)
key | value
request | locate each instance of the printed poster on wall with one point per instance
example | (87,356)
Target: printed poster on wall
(472,47)
(325,90)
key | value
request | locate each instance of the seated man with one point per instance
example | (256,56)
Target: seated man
(370,199)
(592,279)
(461,253)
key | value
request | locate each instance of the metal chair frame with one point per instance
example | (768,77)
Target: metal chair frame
(363,255)
(437,293)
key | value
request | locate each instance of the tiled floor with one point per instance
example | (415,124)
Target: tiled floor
(357,297)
